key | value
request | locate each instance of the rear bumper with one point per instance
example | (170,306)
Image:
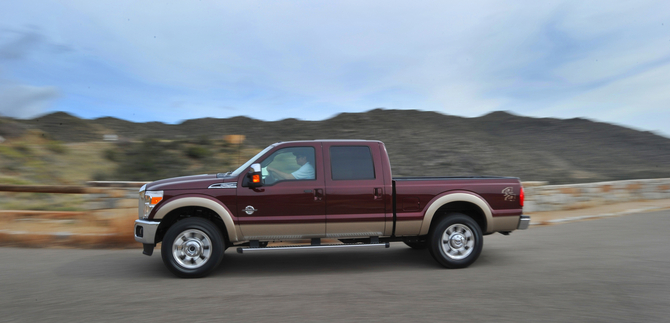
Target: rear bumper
(524,222)
(145,231)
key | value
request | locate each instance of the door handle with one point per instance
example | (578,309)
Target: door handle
(318,194)
(378,193)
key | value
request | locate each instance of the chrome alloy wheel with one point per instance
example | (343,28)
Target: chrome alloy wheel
(192,248)
(458,241)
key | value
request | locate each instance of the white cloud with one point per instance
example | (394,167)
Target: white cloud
(24,101)
(645,93)
(309,59)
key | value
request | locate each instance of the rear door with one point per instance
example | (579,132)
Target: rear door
(355,190)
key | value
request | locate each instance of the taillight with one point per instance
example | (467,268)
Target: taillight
(521,196)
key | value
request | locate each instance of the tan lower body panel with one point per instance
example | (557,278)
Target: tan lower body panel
(283,231)
(504,223)
(371,229)
(238,230)
(355,229)
(334,230)
(407,228)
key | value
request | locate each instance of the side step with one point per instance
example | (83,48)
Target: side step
(303,247)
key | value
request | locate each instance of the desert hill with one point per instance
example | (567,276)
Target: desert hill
(425,143)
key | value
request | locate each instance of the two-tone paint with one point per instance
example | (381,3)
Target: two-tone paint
(384,207)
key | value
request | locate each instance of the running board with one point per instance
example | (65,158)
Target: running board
(351,245)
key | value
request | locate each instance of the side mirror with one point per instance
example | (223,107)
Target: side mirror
(254,177)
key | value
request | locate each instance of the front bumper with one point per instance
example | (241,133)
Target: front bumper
(524,222)
(145,231)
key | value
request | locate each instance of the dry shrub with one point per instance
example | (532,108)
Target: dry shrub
(4,239)
(38,240)
(116,232)
(121,229)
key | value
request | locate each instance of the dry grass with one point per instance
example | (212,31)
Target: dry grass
(121,231)
(77,232)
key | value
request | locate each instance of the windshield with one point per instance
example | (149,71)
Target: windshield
(246,165)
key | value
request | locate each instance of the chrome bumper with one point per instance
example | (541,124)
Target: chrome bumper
(524,222)
(145,231)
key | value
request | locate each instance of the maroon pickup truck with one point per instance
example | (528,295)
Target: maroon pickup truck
(338,190)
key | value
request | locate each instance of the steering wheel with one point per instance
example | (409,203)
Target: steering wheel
(270,179)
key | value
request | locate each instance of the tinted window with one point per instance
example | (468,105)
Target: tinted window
(351,162)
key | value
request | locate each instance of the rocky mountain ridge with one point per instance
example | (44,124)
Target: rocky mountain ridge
(423,143)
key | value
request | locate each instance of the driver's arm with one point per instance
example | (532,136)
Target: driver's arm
(279,174)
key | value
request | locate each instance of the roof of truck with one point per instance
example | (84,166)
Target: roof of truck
(330,140)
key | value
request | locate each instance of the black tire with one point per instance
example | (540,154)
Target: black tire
(192,248)
(456,241)
(417,244)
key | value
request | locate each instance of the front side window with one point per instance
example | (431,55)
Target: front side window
(351,163)
(293,163)
(246,165)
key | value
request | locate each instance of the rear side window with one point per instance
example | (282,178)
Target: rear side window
(351,163)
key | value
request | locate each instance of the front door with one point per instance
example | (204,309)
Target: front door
(290,204)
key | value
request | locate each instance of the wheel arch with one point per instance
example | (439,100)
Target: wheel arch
(467,203)
(196,206)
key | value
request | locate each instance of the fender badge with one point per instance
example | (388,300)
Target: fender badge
(249,210)
(509,194)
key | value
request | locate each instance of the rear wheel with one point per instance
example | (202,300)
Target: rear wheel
(192,248)
(456,241)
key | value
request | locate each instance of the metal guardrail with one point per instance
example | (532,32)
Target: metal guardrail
(91,188)
(59,189)
(99,196)
(106,218)
(42,214)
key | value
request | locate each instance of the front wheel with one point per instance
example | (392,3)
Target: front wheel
(456,241)
(192,248)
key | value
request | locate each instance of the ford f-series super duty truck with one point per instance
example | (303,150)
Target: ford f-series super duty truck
(323,189)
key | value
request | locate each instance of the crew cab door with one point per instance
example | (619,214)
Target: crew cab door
(356,196)
(285,208)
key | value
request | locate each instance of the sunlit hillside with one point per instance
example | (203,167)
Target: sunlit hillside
(60,148)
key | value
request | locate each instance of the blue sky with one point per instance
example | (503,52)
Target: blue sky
(174,60)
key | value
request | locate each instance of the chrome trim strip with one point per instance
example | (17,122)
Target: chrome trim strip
(149,231)
(224,185)
(284,237)
(524,222)
(385,245)
(354,234)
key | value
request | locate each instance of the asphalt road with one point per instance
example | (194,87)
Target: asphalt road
(607,270)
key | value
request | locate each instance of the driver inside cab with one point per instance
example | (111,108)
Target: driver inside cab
(306,170)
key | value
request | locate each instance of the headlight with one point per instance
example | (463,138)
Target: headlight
(148,199)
